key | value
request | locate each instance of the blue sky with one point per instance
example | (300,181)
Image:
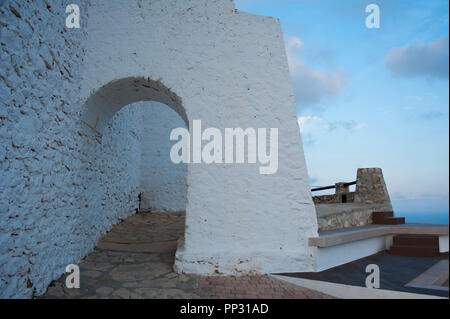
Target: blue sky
(371,97)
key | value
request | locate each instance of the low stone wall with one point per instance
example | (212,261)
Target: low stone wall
(350,209)
(338,216)
(334,199)
(324,199)
(345,220)
(370,189)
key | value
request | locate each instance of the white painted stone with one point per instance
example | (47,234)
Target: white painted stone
(333,256)
(162,183)
(228,69)
(64,185)
(443,244)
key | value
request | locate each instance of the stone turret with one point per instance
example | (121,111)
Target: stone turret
(345,209)
(371,188)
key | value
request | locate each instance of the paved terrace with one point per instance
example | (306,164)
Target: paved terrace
(134,260)
(415,275)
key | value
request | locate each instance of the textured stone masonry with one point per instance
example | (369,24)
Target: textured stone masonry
(370,195)
(128,273)
(64,184)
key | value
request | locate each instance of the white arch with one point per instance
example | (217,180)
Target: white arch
(109,99)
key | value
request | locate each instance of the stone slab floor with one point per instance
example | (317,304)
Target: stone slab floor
(135,259)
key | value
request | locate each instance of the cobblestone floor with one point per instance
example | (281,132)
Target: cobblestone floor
(134,260)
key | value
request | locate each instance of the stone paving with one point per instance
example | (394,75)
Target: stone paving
(135,259)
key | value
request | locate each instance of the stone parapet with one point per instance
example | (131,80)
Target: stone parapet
(350,209)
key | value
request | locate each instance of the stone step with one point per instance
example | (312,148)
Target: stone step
(416,240)
(414,251)
(388,221)
(383,214)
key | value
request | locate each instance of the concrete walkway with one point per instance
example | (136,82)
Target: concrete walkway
(135,259)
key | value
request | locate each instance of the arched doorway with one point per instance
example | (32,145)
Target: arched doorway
(162,183)
(127,124)
(103,104)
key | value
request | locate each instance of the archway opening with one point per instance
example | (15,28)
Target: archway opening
(109,99)
(133,170)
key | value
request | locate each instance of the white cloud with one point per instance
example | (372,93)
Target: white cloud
(306,122)
(432,115)
(317,124)
(420,59)
(414,97)
(310,85)
(308,139)
(349,126)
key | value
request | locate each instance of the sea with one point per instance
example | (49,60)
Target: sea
(424,217)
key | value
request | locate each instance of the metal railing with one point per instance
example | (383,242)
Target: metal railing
(322,188)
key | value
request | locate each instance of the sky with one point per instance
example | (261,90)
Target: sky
(371,97)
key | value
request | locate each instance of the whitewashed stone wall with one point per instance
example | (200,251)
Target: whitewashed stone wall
(38,94)
(61,189)
(55,201)
(119,164)
(163,183)
(228,69)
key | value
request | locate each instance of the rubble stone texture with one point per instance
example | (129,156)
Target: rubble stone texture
(370,187)
(64,181)
(370,195)
(162,183)
(134,273)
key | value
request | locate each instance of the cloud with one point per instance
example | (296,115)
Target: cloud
(349,126)
(417,195)
(313,180)
(314,124)
(308,139)
(311,86)
(432,115)
(420,59)
(415,97)
(321,57)
(306,122)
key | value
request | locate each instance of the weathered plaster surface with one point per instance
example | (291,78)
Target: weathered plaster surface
(44,221)
(228,69)
(63,184)
(162,183)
